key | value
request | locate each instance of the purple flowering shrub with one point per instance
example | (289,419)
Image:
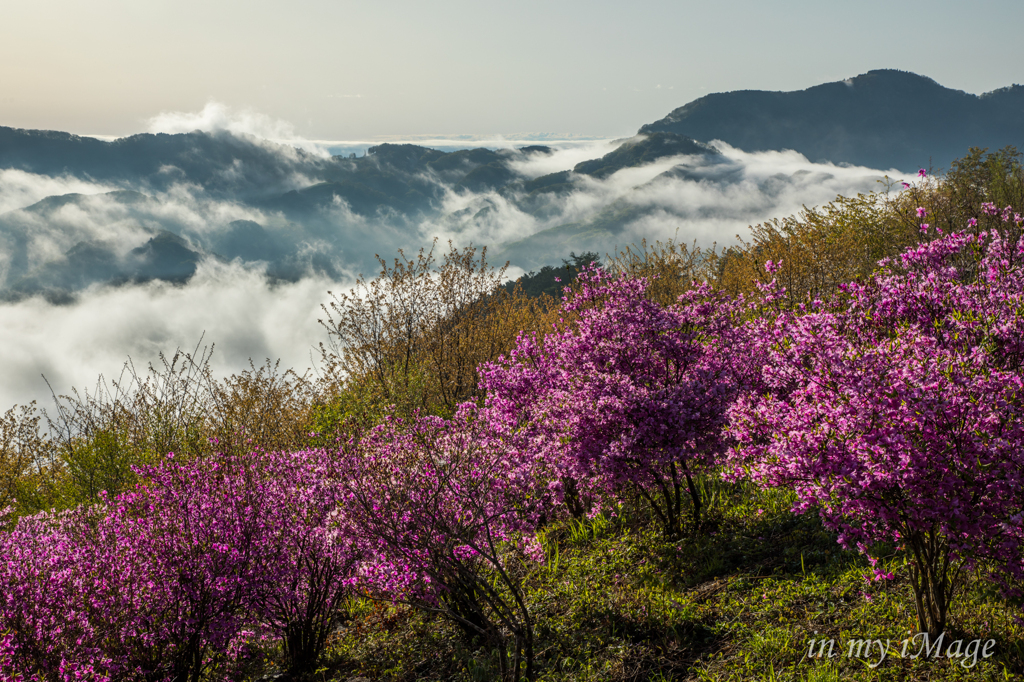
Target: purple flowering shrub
(56,596)
(898,416)
(447,515)
(630,394)
(312,557)
(163,582)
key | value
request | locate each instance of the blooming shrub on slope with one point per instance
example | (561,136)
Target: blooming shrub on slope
(442,508)
(899,414)
(631,393)
(163,581)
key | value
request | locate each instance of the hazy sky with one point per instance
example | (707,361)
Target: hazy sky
(340,69)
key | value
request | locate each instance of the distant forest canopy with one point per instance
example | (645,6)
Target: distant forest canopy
(154,207)
(550,280)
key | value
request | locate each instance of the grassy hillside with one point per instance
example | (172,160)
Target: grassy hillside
(617,602)
(741,596)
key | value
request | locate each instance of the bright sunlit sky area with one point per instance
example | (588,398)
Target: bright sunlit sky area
(344,70)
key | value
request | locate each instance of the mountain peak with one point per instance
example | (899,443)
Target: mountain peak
(885,118)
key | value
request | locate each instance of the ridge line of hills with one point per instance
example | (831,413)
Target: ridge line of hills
(881,119)
(300,213)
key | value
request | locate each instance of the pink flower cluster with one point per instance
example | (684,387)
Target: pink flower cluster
(160,582)
(630,393)
(447,513)
(1006,214)
(898,415)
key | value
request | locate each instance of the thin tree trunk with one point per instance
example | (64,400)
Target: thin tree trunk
(694,495)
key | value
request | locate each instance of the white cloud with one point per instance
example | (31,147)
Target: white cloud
(217,117)
(19,189)
(121,225)
(566,155)
(768,185)
(789,161)
(234,306)
(486,218)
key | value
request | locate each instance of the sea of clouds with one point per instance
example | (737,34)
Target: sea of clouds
(246,315)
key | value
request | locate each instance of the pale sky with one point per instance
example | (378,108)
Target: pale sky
(344,70)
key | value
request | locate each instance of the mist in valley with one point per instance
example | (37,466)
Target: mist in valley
(224,226)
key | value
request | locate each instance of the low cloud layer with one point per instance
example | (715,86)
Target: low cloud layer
(257,266)
(231,306)
(19,188)
(686,198)
(766,185)
(217,117)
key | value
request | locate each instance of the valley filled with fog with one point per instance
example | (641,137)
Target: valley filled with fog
(235,231)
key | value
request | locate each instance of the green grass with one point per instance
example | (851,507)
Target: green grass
(740,601)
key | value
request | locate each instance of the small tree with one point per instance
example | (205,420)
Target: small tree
(899,415)
(628,392)
(198,535)
(413,337)
(27,459)
(312,555)
(441,507)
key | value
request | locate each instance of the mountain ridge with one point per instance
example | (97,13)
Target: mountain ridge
(884,118)
(237,197)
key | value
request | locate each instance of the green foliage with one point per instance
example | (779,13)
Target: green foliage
(670,266)
(615,601)
(411,339)
(981,176)
(26,460)
(94,464)
(360,402)
(92,439)
(549,281)
(819,249)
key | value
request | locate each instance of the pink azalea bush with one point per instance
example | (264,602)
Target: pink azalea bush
(898,415)
(631,394)
(312,558)
(447,514)
(45,633)
(163,581)
(156,580)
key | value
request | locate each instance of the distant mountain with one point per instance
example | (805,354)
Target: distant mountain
(642,150)
(223,163)
(156,206)
(880,119)
(252,170)
(76,256)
